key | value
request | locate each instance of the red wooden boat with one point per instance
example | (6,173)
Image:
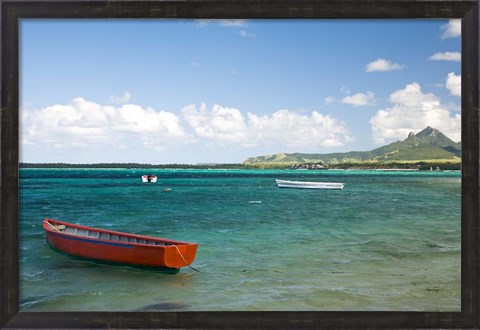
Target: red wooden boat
(119,248)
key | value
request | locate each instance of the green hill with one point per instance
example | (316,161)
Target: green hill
(428,145)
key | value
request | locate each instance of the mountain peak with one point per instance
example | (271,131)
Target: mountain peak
(428,131)
(436,138)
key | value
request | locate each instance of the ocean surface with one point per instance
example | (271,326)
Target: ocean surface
(389,241)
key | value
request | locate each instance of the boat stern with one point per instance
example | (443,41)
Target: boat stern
(180,255)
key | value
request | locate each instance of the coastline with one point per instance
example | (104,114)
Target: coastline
(377,166)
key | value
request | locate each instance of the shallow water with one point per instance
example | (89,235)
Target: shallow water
(388,241)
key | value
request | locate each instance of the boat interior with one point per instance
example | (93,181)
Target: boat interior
(102,236)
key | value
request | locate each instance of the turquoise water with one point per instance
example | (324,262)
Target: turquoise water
(388,241)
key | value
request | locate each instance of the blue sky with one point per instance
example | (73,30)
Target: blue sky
(210,91)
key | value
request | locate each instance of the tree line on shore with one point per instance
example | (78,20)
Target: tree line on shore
(421,166)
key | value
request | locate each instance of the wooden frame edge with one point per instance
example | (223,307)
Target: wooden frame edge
(12,11)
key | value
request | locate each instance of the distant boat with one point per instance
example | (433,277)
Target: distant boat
(149,178)
(118,248)
(309,185)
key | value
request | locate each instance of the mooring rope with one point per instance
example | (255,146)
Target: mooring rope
(186,262)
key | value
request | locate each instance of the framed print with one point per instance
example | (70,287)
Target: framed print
(232,164)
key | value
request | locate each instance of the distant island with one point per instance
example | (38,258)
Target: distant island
(427,150)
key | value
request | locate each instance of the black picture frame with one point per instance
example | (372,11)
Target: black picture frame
(12,11)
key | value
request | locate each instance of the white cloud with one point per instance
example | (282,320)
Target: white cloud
(330,99)
(452,29)
(454,84)
(454,107)
(283,129)
(246,34)
(412,111)
(360,99)
(224,22)
(84,123)
(122,99)
(232,22)
(223,125)
(382,65)
(91,126)
(447,56)
(297,132)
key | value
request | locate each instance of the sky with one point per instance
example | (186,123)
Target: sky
(220,91)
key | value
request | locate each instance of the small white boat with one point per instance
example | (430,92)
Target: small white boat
(149,178)
(309,185)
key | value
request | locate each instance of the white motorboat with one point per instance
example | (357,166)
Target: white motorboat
(309,185)
(149,178)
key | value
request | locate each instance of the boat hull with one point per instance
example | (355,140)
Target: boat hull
(119,248)
(162,269)
(309,185)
